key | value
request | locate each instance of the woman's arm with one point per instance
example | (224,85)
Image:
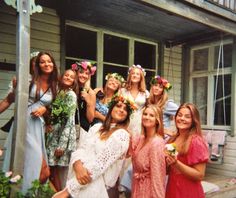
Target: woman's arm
(90,99)
(99,116)
(7,101)
(195,172)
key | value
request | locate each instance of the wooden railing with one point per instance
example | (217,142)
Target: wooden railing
(226,4)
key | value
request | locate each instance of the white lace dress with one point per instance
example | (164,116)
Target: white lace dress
(103,159)
(135,118)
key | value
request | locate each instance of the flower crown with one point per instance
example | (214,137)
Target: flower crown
(84,65)
(159,80)
(120,98)
(137,66)
(116,76)
(33,54)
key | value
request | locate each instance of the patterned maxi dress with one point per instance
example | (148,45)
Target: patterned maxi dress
(103,159)
(63,137)
(180,186)
(35,138)
(149,168)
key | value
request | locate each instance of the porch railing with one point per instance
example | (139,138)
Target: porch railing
(226,4)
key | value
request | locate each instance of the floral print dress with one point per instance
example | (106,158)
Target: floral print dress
(63,137)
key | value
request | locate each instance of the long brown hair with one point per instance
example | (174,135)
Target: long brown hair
(106,129)
(160,101)
(158,118)
(74,86)
(53,79)
(142,83)
(195,127)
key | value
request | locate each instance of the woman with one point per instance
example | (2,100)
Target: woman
(148,158)
(136,90)
(86,96)
(188,168)
(158,96)
(104,95)
(42,92)
(96,165)
(61,138)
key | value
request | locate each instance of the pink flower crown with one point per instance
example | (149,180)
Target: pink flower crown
(137,66)
(159,80)
(84,65)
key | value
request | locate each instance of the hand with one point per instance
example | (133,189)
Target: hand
(58,152)
(39,112)
(62,194)
(82,174)
(49,128)
(170,160)
(14,82)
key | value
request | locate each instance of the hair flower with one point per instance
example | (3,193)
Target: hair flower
(116,76)
(84,65)
(138,67)
(120,98)
(159,80)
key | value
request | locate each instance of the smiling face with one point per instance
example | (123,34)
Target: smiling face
(68,78)
(184,119)
(135,75)
(157,89)
(149,118)
(113,84)
(119,112)
(83,76)
(46,64)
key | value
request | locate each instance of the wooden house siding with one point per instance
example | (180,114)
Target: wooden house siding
(228,168)
(172,71)
(45,36)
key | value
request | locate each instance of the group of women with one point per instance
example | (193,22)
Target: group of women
(100,128)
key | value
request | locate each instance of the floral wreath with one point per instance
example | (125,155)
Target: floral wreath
(120,98)
(137,66)
(33,54)
(116,76)
(159,80)
(84,65)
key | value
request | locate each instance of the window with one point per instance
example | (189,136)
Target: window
(211,87)
(116,54)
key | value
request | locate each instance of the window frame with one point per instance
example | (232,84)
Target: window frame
(210,74)
(100,49)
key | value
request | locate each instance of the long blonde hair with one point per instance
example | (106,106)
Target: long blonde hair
(160,101)
(142,83)
(159,120)
(194,130)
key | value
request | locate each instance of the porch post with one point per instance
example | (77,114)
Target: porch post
(233,90)
(22,74)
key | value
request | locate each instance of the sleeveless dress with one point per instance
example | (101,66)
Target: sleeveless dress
(180,186)
(103,159)
(35,139)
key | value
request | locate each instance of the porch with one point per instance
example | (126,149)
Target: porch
(227,186)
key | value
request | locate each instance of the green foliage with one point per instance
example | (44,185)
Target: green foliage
(37,191)
(7,182)
(61,108)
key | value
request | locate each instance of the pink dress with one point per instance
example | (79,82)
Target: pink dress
(149,168)
(179,186)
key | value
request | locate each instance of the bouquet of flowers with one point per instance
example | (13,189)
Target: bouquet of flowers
(171,149)
(61,108)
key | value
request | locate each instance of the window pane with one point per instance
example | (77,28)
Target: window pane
(200,59)
(115,49)
(223,100)
(81,43)
(145,55)
(149,75)
(200,97)
(227,51)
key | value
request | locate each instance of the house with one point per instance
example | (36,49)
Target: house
(184,41)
